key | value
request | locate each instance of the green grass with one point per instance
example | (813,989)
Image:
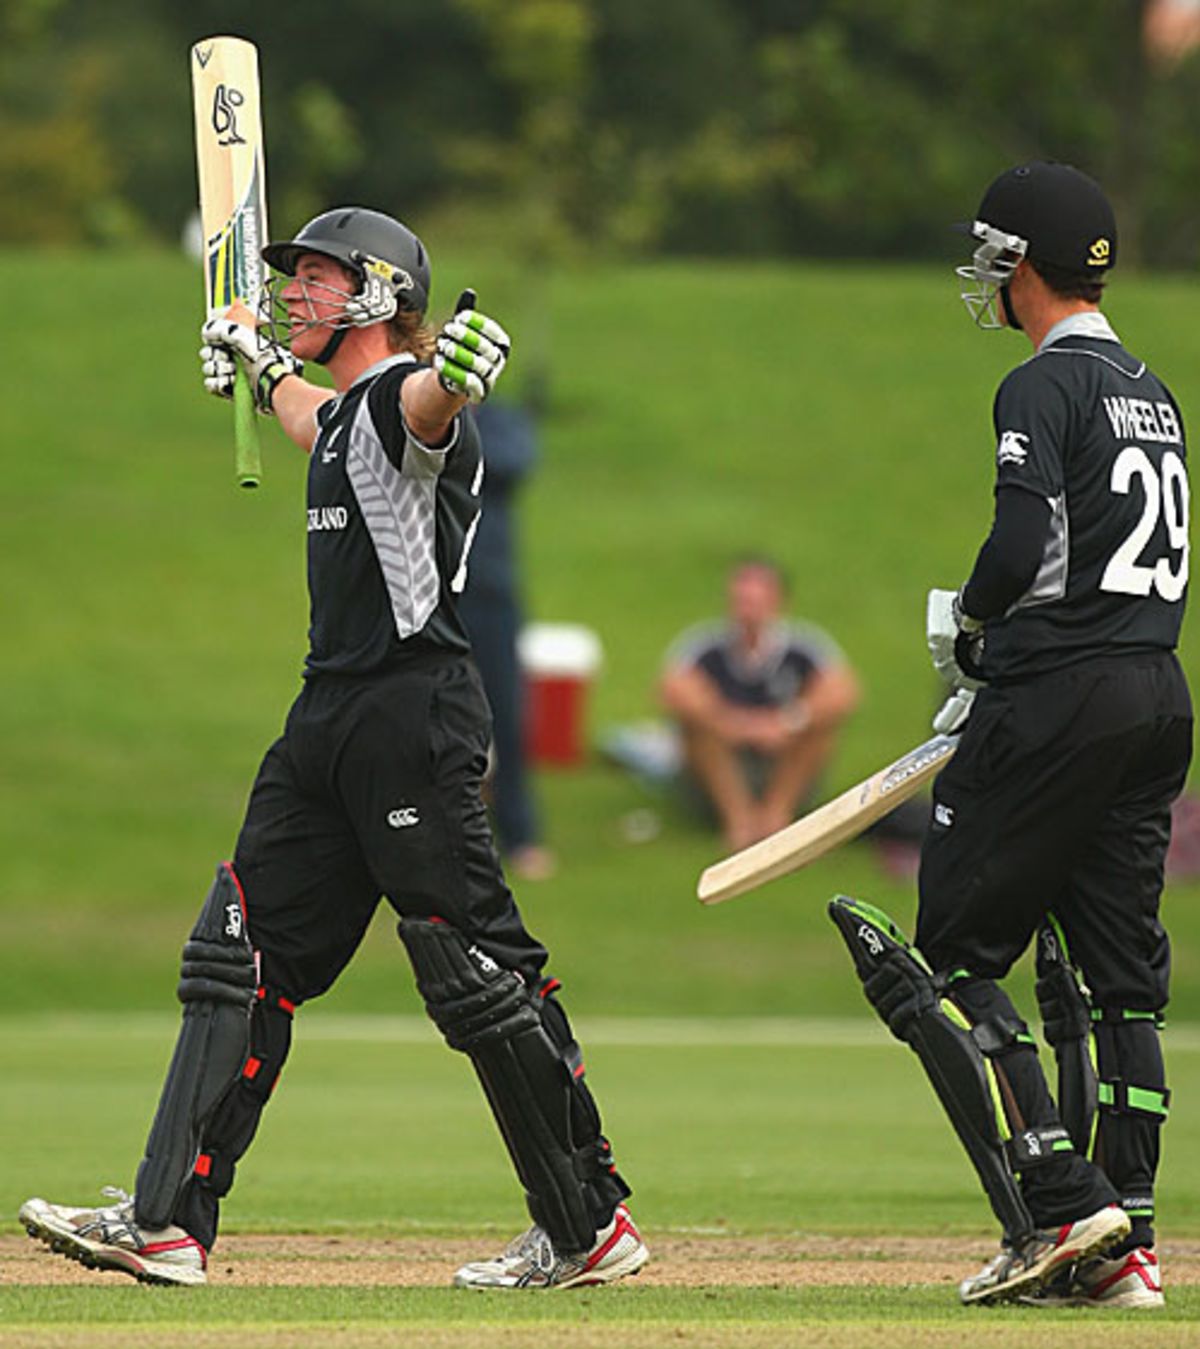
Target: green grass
(768,1126)
(775,1318)
(761,1128)
(282,1306)
(838,417)
(154,615)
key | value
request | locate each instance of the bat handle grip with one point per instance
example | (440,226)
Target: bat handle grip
(248,453)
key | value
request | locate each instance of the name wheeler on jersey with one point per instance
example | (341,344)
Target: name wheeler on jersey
(390,521)
(1094,432)
(1140,420)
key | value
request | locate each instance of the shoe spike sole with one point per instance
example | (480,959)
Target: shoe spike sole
(61,1246)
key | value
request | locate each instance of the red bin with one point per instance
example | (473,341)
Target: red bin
(558,662)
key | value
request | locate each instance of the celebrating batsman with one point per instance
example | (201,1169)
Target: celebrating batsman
(372,789)
(1051,823)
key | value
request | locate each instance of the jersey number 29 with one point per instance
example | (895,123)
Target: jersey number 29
(1164,490)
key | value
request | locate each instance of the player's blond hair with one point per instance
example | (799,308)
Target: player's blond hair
(408,331)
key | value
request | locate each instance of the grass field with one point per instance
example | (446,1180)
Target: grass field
(781,1207)
(838,417)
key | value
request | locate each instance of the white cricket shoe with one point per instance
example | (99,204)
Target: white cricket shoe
(1129,1282)
(109,1238)
(1014,1273)
(532,1262)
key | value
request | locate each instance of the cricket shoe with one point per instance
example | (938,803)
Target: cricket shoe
(1129,1282)
(532,1262)
(1014,1273)
(110,1238)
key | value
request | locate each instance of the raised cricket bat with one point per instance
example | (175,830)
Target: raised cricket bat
(233,206)
(827,827)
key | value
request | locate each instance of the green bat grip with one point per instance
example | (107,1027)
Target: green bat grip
(245,432)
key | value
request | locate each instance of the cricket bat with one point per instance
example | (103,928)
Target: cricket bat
(233,206)
(827,827)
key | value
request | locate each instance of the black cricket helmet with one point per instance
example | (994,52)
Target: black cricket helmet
(1047,212)
(387,257)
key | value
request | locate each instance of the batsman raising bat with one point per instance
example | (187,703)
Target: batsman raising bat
(1051,821)
(373,788)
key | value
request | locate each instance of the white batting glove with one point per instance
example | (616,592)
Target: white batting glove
(952,716)
(219,367)
(226,342)
(472,350)
(955,641)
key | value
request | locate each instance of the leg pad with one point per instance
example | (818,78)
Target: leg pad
(217,989)
(1067,1025)
(489,1014)
(901,987)
(1133,1107)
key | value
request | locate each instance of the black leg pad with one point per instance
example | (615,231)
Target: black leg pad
(489,1014)
(902,989)
(217,988)
(1067,1026)
(1134,1102)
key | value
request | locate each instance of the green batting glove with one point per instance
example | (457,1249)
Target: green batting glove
(472,350)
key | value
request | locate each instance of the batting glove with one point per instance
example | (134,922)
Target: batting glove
(472,350)
(955,640)
(226,342)
(952,715)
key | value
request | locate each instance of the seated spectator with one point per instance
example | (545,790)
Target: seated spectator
(759,702)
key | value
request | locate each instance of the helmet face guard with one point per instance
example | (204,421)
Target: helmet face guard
(377,299)
(385,261)
(277,314)
(991,268)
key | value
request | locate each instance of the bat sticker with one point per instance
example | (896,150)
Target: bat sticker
(226,102)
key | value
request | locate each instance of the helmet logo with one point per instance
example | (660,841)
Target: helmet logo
(400,279)
(1099,253)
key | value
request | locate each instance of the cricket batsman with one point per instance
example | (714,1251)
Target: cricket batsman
(373,788)
(1051,823)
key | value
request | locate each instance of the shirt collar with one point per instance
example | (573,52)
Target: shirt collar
(769,652)
(1090,323)
(398,358)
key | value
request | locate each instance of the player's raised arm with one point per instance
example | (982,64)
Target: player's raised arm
(472,351)
(275,376)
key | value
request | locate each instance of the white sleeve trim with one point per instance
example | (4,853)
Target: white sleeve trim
(427,461)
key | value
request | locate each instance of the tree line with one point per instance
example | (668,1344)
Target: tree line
(561,127)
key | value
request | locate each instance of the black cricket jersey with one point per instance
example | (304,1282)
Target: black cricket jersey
(1089,428)
(390,523)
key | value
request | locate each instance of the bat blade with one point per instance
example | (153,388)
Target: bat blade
(827,827)
(230,167)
